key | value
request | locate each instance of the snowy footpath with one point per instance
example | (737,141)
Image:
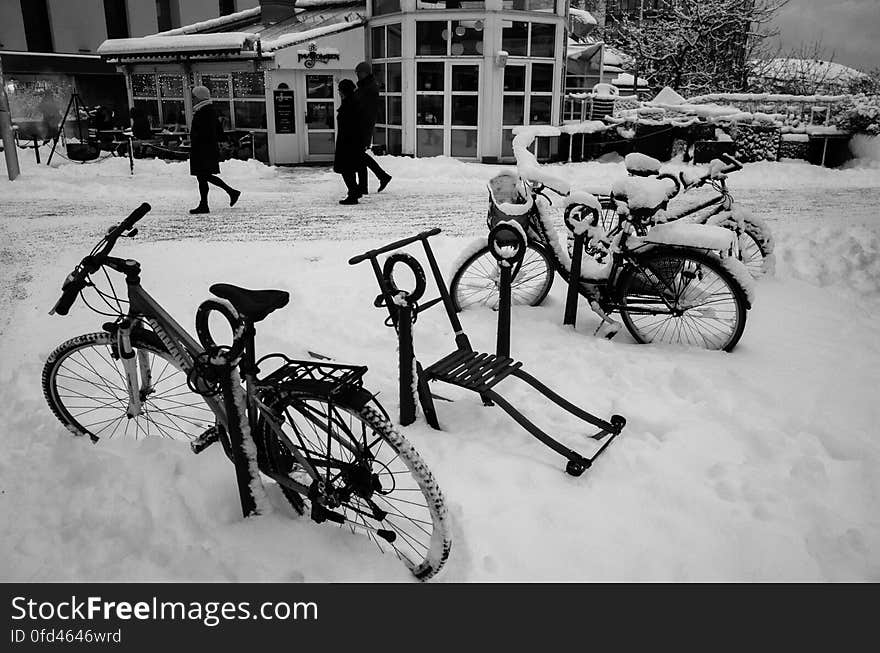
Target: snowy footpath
(759,465)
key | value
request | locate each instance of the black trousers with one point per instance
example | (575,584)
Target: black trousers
(369,162)
(351,183)
(204,180)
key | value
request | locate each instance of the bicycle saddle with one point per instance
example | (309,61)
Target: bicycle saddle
(255,305)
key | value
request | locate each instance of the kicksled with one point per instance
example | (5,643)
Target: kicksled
(464,367)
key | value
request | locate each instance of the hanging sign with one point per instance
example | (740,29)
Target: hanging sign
(315,54)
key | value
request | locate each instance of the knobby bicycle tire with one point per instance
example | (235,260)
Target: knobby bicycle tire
(305,416)
(83,383)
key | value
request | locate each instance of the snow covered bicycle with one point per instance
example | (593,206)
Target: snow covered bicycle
(669,285)
(311,426)
(755,238)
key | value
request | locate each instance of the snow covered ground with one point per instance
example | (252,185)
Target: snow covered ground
(760,465)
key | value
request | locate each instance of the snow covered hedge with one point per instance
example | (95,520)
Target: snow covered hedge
(859,114)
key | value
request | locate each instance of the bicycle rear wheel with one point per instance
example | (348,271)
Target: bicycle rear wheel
(476,282)
(84,385)
(371,475)
(682,297)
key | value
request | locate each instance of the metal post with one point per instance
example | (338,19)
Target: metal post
(571,300)
(405,358)
(37,150)
(9,148)
(503,344)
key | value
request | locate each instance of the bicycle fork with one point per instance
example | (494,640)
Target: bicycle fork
(138,376)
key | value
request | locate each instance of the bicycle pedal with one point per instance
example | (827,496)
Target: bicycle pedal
(205,440)
(607,329)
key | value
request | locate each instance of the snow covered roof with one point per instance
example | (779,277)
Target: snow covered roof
(312,19)
(299,37)
(224,42)
(214,23)
(788,68)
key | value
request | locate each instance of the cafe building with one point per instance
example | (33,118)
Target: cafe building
(455,76)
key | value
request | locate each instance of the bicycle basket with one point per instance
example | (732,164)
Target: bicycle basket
(508,200)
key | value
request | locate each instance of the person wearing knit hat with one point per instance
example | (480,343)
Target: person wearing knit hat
(367,96)
(204,151)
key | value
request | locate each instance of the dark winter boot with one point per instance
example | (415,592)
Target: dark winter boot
(351,199)
(233,197)
(199,209)
(383,183)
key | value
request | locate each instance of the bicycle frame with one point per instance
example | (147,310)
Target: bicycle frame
(185,350)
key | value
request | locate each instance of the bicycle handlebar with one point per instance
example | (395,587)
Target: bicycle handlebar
(395,245)
(76,280)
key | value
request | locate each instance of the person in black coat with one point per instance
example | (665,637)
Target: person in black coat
(368,98)
(204,152)
(140,124)
(347,158)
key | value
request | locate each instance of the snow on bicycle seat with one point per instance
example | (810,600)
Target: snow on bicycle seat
(641,165)
(255,305)
(642,194)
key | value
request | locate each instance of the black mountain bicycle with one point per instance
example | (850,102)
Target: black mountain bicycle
(319,434)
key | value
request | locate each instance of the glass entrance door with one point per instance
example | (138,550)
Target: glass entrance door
(447,109)
(320,117)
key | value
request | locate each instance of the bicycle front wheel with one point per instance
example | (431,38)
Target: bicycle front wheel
(476,283)
(84,385)
(682,297)
(756,247)
(370,476)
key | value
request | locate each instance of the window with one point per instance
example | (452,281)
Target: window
(527,100)
(161,98)
(522,39)
(447,108)
(450,4)
(381,7)
(529,5)
(37,30)
(239,99)
(387,70)
(227,7)
(167,14)
(116,18)
(449,38)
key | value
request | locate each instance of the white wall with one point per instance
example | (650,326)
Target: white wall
(11,27)
(77,25)
(142,17)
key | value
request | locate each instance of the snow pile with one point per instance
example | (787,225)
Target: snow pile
(581,16)
(642,192)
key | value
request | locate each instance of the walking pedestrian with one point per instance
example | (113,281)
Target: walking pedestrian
(368,99)
(349,140)
(204,153)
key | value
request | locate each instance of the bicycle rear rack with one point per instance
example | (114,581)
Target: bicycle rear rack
(464,367)
(300,370)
